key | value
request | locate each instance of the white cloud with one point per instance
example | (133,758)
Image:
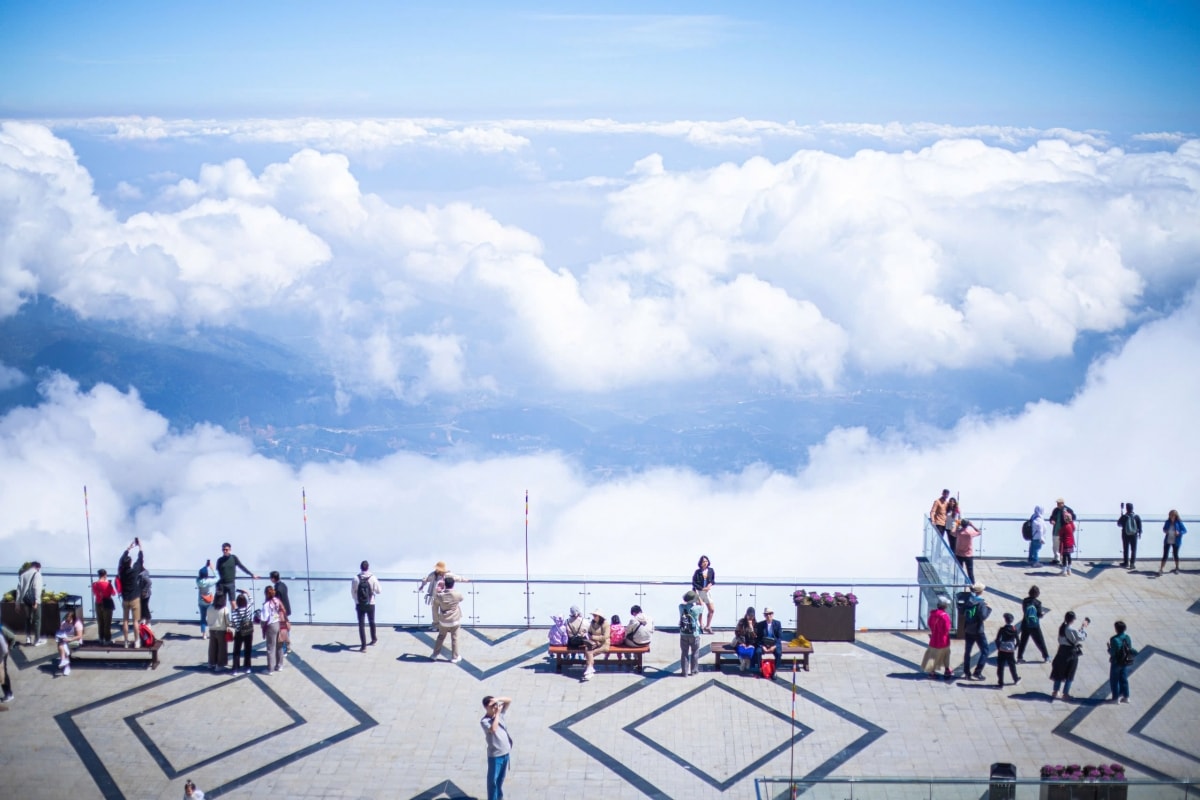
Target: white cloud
(10,377)
(183,492)
(957,255)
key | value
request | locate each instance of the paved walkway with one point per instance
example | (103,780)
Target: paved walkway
(389,723)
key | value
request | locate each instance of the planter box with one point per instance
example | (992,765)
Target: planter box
(825,623)
(1084,791)
(13,617)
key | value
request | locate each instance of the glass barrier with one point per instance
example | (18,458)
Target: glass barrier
(1096,537)
(503,601)
(972,789)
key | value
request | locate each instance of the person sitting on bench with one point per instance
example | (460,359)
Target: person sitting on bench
(770,637)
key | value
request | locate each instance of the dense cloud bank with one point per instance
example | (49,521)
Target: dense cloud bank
(855,510)
(779,273)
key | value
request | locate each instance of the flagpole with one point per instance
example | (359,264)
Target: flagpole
(87,520)
(528,616)
(307,570)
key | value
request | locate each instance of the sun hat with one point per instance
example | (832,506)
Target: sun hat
(689,596)
(978,588)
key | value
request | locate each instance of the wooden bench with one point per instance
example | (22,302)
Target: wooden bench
(629,658)
(94,651)
(791,652)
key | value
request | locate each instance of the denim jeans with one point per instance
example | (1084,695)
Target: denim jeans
(975,639)
(689,654)
(1035,547)
(497,769)
(203,606)
(1118,680)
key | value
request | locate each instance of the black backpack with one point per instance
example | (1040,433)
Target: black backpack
(687,622)
(364,589)
(1027,530)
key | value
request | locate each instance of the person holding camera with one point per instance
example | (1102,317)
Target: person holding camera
(129,582)
(499,743)
(1066,660)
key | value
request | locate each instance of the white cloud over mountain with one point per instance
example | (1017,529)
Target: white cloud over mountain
(779,273)
(855,510)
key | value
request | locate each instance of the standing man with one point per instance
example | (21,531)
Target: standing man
(363,588)
(1032,612)
(937,514)
(1131,530)
(689,634)
(281,594)
(499,743)
(29,594)
(975,611)
(770,636)
(129,576)
(1057,520)
(447,615)
(227,566)
(1120,655)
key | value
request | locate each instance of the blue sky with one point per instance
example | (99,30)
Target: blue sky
(1123,67)
(975,221)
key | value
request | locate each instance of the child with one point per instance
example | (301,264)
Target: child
(1006,651)
(616,631)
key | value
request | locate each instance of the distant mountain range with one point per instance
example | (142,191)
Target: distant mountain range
(285,402)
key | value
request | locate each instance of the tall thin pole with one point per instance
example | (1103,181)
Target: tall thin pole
(307,570)
(528,616)
(87,521)
(792,766)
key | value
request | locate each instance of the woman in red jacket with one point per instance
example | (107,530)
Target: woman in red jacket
(1066,541)
(938,651)
(104,592)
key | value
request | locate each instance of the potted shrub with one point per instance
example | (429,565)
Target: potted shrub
(825,617)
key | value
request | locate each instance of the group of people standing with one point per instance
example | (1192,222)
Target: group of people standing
(1012,639)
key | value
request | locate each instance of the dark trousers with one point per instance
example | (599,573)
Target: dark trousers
(978,639)
(968,565)
(104,623)
(1003,660)
(6,686)
(1038,639)
(218,649)
(365,611)
(230,590)
(33,621)
(1128,549)
(243,643)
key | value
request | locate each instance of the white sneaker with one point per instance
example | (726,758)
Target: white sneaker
(204,635)
(8,698)
(67,669)
(456,659)
(39,643)
(28,641)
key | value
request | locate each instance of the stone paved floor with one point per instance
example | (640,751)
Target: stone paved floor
(388,723)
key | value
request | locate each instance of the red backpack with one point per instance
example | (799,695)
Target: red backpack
(146,635)
(768,669)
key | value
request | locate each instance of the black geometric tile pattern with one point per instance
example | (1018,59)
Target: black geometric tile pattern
(466,666)
(107,785)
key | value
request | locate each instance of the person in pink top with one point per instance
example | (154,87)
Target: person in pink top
(964,547)
(937,655)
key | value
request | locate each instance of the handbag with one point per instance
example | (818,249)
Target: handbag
(229,635)
(576,642)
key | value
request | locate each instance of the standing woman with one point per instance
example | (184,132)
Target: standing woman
(702,581)
(964,548)
(1066,660)
(104,593)
(953,518)
(241,619)
(271,615)
(218,622)
(206,586)
(1066,541)
(1173,531)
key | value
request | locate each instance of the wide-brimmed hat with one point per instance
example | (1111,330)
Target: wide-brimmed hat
(689,596)
(597,613)
(768,610)
(978,588)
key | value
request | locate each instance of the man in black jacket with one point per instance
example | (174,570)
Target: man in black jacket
(1130,525)
(227,566)
(769,629)
(129,575)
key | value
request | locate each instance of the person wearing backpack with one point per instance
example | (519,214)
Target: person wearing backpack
(975,611)
(1032,612)
(1006,647)
(1120,655)
(1131,530)
(29,595)
(1037,535)
(363,588)
(689,634)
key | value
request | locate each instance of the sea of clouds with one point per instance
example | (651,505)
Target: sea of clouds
(964,252)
